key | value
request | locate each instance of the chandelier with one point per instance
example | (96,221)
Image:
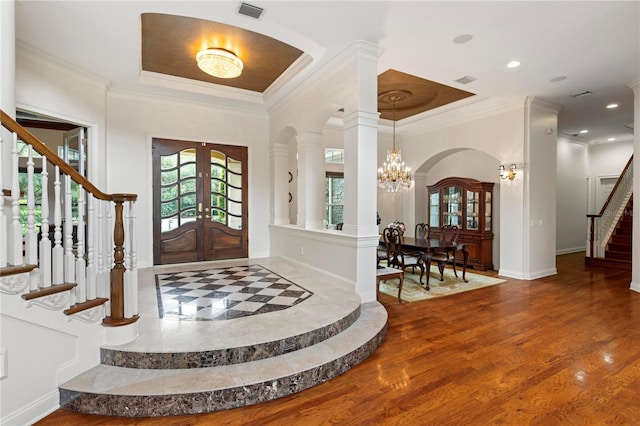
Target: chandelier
(219,63)
(394,176)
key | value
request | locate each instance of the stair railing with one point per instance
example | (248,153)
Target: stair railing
(602,225)
(77,251)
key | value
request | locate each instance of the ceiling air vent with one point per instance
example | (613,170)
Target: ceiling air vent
(579,95)
(465,80)
(250,10)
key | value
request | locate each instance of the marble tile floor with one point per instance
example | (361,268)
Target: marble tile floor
(329,303)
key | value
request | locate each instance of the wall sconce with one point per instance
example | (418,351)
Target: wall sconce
(504,173)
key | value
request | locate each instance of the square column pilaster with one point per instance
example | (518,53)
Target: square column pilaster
(280,185)
(311,181)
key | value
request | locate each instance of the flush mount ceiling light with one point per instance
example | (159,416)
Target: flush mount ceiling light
(219,63)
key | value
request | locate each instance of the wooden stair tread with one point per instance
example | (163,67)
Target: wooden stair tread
(83,306)
(56,288)
(16,269)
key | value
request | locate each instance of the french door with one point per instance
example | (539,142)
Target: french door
(199,201)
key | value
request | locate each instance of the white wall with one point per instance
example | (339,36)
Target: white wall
(606,160)
(48,87)
(540,189)
(491,132)
(571,196)
(133,120)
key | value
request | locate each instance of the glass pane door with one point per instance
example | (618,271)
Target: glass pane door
(434,210)
(473,199)
(487,211)
(452,200)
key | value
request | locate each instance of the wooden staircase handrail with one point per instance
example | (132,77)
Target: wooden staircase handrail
(615,187)
(26,136)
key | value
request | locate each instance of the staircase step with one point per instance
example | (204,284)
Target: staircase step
(619,247)
(16,269)
(141,392)
(617,255)
(224,355)
(621,239)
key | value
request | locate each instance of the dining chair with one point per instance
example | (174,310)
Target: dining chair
(422,231)
(448,234)
(396,257)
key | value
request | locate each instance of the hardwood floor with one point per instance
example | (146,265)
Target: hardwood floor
(561,350)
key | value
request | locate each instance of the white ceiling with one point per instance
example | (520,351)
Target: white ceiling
(595,45)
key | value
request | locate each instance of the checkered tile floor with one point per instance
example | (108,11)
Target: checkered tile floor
(225,293)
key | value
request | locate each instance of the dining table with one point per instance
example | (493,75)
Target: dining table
(433,245)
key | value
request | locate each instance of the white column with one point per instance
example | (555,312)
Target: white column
(635,236)
(311,178)
(280,184)
(360,168)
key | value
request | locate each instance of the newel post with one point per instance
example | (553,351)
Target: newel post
(117,318)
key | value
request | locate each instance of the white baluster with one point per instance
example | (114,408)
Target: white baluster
(3,217)
(109,225)
(130,274)
(45,242)
(101,290)
(57,258)
(15,236)
(108,248)
(81,266)
(31,238)
(69,258)
(91,267)
(134,261)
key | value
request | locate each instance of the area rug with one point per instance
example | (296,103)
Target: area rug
(413,291)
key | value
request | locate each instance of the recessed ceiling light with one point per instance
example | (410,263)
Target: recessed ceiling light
(584,131)
(611,139)
(611,106)
(557,79)
(513,64)
(462,38)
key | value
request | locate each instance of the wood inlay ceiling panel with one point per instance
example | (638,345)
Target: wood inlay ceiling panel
(424,94)
(170,44)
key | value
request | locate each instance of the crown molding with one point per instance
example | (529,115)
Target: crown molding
(46,60)
(358,49)
(456,113)
(225,105)
(200,88)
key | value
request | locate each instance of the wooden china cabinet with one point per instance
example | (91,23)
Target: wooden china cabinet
(466,203)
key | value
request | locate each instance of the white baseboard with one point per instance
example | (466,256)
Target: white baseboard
(635,286)
(34,412)
(571,250)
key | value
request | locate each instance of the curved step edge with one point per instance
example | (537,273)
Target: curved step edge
(227,356)
(255,382)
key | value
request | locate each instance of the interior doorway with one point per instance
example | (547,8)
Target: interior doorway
(199,201)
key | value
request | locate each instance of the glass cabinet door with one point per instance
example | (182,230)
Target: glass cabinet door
(473,199)
(487,211)
(452,203)
(434,210)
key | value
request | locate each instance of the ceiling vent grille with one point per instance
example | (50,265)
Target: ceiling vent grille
(579,95)
(465,80)
(250,10)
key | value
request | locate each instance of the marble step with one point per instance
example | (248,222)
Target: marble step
(145,392)
(235,354)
